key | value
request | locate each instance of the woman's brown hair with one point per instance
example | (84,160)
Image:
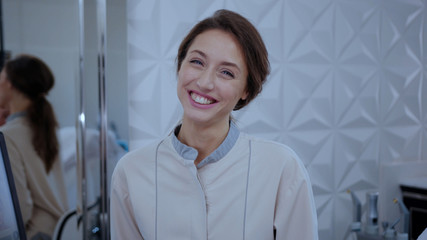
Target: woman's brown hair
(251,43)
(32,77)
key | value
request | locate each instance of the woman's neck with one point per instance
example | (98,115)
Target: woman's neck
(205,139)
(19,103)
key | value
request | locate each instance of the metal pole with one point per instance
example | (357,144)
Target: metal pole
(103,214)
(81,128)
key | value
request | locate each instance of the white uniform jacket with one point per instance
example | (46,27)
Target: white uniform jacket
(246,189)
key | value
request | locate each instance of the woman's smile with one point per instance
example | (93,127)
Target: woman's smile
(201,98)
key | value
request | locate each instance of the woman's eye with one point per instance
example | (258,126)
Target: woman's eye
(196,62)
(228,73)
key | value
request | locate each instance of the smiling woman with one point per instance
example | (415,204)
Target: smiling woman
(211,81)
(207,180)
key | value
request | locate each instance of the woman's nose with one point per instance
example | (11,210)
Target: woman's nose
(206,80)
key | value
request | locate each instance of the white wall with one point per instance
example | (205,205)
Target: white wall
(347,91)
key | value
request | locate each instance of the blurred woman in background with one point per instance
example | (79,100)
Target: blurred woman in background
(32,144)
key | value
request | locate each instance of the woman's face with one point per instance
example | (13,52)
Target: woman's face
(212,78)
(5,89)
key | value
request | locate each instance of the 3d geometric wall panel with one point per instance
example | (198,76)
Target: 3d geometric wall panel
(347,90)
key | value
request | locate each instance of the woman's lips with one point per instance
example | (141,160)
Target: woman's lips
(200,100)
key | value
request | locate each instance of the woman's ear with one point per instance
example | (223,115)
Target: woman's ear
(245,95)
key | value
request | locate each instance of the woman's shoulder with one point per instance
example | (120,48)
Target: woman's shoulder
(140,152)
(138,165)
(140,157)
(267,145)
(277,158)
(14,124)
(16,132)
(271,151)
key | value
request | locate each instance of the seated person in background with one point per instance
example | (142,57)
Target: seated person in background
(32,144)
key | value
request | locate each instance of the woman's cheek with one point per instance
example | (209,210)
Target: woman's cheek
(188,75)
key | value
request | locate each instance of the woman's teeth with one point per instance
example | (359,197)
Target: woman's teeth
(201,100)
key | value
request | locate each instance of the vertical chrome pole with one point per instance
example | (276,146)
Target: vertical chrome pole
(81,130)
(103,214)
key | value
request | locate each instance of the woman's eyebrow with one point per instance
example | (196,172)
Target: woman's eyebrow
(199,52)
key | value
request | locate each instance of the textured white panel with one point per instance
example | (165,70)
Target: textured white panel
(347,89)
